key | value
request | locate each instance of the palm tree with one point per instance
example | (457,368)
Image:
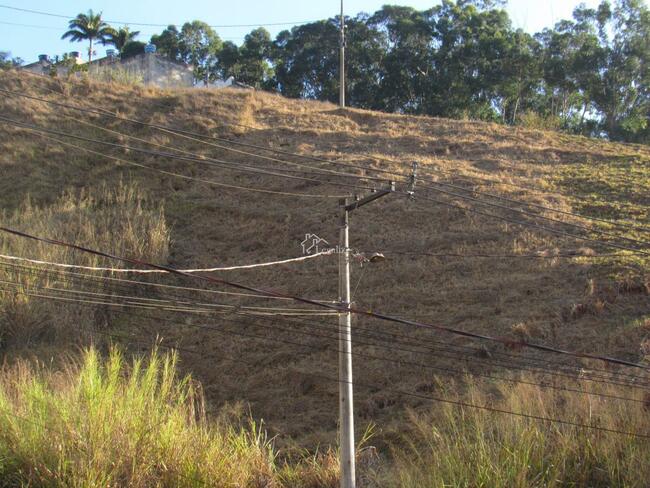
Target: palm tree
(121,38)
(88,27)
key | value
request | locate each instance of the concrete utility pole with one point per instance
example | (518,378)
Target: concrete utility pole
(346,408)
(342,62)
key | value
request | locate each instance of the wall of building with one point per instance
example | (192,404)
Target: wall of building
(148,68)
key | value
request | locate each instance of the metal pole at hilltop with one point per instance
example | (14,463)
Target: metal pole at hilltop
(342,62)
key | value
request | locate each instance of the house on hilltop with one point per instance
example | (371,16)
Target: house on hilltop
(148,68)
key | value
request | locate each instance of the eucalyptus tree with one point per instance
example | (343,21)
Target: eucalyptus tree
(199,46)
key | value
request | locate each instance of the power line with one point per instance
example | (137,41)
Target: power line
(312,324)
(445,400)
(548,229)
(262,312)
(182,133)
(540,255)
(368,313)
(510,200)
(146,283)
(529,224)
(144,24)
(312,170)
(157,304)
(213,161)
(15,24)
(542,207)
(534,215)
(177,175)
(275,327)
(475,200)
(154,271)
(393,337)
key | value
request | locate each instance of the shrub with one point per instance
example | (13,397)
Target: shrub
(122,220)
(456,446)
(117,424)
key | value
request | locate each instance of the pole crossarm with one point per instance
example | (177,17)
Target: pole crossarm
(349,207)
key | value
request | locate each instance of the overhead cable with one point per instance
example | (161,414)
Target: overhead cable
(381,316)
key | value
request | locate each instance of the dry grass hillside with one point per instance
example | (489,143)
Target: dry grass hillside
(592,303)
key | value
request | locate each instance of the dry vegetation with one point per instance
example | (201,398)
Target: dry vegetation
(592,303)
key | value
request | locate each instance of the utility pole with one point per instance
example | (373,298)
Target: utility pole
(346,408)
(342,62)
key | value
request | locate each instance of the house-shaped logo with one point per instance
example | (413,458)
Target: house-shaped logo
(313,244)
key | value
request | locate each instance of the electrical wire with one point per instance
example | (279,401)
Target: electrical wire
(157,271)
(146,283)
(277,151)
(460,403)
(523,212)
(354,353)
(480,202)
(312,170)
(220,163)
(392,337)
(447,347)
(381,316)
(182,176)
(528,224)
(538,216)
(144,24)
(540,255)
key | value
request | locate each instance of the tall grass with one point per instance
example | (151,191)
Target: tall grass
(464,447)
(121,219)
(114,423)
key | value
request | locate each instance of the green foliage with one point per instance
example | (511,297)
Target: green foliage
(250,63)
(132,48)
(460,59)
(456,446)
(121,38)
(168,43)
(6,61)
(111,423)
(88,27)
(196,44)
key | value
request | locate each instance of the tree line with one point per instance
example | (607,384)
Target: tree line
(588,75)
(462,59)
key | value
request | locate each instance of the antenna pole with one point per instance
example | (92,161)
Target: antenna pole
(342,62)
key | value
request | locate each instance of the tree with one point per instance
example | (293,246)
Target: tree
(306,61)
(132,48)
(250,63)
(121,37)
(228,63)
(365,53)
(168,43)
(621,91)
(6,61)
(88,27)
(199,46)
(408,59)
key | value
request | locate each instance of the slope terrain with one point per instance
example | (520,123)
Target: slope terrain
(445,264)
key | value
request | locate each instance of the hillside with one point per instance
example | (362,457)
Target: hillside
(592,303)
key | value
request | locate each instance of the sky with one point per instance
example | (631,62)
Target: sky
(41,34)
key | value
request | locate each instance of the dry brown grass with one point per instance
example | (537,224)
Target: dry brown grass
(546,299)
(121,217)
